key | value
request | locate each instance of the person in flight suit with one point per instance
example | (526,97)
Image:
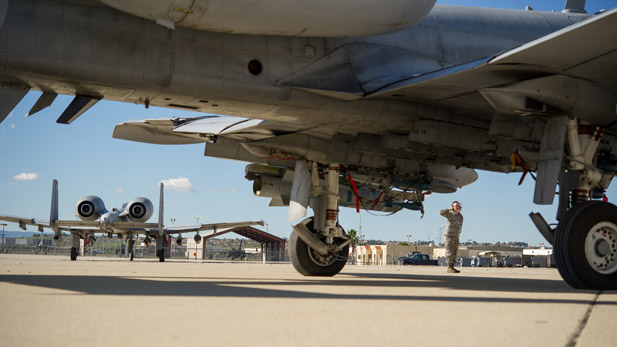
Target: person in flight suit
(452,233)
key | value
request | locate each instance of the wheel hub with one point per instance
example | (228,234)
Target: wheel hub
(322,260)
(601,248)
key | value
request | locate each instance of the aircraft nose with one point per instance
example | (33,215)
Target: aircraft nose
(105,218)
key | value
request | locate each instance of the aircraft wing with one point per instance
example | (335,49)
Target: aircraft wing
(23,221)
(586,50)
(95,226)
(212,226)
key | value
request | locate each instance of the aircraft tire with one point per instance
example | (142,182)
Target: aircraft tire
(586,246)
(308,263)
(161,254)
(73,253)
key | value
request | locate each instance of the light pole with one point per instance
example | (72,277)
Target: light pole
(408,236)
(3,225)
(197,218)
(173,220)
(361,243)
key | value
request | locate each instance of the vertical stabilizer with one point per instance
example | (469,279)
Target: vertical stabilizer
(161,215)
(574,6)
(53,213)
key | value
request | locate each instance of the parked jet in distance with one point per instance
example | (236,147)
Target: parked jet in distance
(127,221)
(237,253)
(351,100)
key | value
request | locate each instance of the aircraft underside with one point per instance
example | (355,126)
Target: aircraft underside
(336,121)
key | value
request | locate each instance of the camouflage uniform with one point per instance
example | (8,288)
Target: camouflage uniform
(451,233)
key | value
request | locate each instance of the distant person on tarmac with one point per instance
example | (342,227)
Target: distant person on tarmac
(452,233)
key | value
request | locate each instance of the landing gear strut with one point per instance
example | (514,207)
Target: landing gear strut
(318,246)
(131,249)
(585,241)
(160,248)
(75,248)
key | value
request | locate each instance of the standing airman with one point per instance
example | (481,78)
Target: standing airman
(452,233)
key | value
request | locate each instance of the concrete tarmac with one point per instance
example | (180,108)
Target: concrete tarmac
(95,301)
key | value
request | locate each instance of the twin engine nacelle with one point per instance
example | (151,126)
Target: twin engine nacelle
(322,18)
(138,210)
(90,208)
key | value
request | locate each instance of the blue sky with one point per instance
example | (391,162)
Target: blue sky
(87,161)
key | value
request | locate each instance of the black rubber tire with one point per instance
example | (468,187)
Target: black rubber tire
(570,245)
(160,253)
(73,253)
(302,262)
(131,249)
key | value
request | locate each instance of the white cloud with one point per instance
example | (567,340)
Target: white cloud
(118,190)
(233,190)
(12,126)
(180,184)
(26,177)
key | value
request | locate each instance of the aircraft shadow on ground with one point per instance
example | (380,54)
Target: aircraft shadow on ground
(296,288)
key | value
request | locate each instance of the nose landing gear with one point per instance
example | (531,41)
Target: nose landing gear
(318,246)
(310,262)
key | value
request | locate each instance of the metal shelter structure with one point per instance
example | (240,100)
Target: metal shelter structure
(272,247)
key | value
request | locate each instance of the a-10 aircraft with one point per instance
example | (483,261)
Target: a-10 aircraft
(128,221)
(359,103)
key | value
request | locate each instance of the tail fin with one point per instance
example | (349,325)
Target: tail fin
(574,6)
(161,216)
(53,213)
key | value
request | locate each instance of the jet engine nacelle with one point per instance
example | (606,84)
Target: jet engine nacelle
(271,187)
(90,208)
(138,210)
(321,18)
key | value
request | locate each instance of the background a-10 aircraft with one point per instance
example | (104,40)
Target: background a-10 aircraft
(128,221)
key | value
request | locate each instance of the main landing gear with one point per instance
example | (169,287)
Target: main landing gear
(585,241)
(586,246)
(75,246)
